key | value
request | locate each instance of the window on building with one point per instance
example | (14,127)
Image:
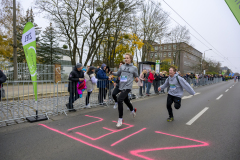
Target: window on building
(156,55)
(169,54)
(174,54)
(170,46)
(165,47)
(160,54)
(174,46)
(156,48)
(165,54)
(151,55)
(160,47)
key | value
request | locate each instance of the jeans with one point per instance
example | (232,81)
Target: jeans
(148,87)
(73,97)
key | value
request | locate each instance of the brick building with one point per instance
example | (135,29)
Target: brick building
(184,56)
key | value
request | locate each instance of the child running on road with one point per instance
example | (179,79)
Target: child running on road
(176,84)
(127,72)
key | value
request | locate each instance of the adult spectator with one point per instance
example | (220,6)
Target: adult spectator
(146,79)
(156,82)
(102,83)
(141,81)
(74,77)
(150,81)
(3,79)
(144,82)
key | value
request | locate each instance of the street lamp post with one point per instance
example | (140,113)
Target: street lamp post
(204,58)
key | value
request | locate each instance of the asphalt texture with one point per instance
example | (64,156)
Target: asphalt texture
(92,134)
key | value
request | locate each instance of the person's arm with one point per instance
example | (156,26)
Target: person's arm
(3,77)
(94,79)
(72,77)
(165,85)
(141,77)
(118,73)
(186,86)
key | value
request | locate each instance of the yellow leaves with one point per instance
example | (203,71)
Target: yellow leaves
(6,50)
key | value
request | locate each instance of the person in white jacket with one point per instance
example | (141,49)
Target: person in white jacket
(91,81)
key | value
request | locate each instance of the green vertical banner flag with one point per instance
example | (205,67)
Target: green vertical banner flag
(29,47)
(234,6)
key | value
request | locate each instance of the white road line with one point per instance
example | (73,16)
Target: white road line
(190,96)
(226,90)
(197,116)
(231,87)
(219,97)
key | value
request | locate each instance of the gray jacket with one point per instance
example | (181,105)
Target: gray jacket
(176,89)
(128,71)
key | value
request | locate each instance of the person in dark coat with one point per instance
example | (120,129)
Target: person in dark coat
(74,77)
(156,82)
(102,83)
(3,79)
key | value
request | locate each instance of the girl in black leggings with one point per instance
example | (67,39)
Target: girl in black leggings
(126,72)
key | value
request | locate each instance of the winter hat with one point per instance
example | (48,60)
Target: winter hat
(103,65)
(84,69)
(79,65)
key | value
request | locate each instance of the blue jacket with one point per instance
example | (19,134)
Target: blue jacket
(102,79)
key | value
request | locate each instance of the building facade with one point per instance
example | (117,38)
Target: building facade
(182,55)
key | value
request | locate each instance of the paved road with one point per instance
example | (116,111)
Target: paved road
(206,127)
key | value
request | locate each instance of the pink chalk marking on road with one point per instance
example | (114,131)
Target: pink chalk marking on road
(100,119)
(137,152)
(86,143)
(127,137)
(112,131)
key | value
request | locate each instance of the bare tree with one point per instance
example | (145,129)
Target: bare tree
(154,23)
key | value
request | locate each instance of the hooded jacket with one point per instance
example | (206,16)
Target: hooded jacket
(176,89)
(74,78)
(102,78)
(127,72)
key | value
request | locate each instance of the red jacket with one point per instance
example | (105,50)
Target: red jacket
(150,78)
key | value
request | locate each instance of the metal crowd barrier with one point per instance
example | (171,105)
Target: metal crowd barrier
(55,98)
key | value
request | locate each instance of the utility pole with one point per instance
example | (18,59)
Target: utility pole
(15,74)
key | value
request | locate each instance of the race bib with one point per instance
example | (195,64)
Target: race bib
(172,87)
(123,78)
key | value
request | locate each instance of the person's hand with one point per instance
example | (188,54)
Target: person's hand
(110,72)
(115,84)
(136,79)
(159,88)
(81,79)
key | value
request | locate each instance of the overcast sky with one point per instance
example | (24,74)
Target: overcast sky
(211,18)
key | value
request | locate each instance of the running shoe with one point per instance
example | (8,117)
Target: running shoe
(170,119)
(115,106)
(119,123)
(88,106)
(133,113)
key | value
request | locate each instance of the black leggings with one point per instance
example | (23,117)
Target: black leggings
(170,100)
(114,94)
(87,97)
(124,97)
